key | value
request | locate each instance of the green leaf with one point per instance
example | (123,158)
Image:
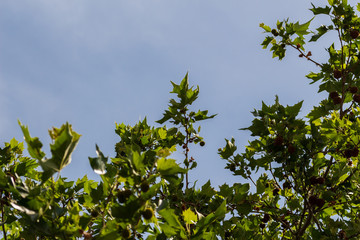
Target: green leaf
(204,222)
(172,220)
(320,10)
(137,161)
(294,204)
(65,141)
(229,149)
(98,164)
(169,167)
(315,77)
(260,187)
(267,41)
(321,31)
(293,111)
(301,29)
(202,115)
(162,133)
(189,216)
(265,27)
(34,144)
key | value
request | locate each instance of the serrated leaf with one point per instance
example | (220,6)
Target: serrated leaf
(189,216)
(321,31)
(301,29)
(171,218)
(265,27)
(320,10)
(162,133)
(65,141)
(294,110)
(34,144)
(229,149)
(169,167)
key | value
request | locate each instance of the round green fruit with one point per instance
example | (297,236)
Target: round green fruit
(148,213)
(94,213)
(274,32)
(123,195)
(125,233)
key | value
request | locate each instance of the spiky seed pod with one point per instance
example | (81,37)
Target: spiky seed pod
(291,149)
(312,200)
(353,89)
(123,195)
(354,152)
(320,202)
(348,153)
(337,100)
(356,98)
(274,32)
(125,233)
(354,33)
(333,95)
(313,180)
(337,74)
(320,180)
(278,141)
(148,213)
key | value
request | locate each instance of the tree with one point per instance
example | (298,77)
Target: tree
(309,183)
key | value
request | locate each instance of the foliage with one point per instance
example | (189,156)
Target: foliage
(309,168)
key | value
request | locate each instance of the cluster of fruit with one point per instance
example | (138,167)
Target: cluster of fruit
(336,97)
(315,201)
(123,195)
(279,141)
(351,152)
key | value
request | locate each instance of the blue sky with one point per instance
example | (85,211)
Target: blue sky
(94,63)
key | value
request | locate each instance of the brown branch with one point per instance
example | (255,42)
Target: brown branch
(306,56)
(304,227)
(2,220)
